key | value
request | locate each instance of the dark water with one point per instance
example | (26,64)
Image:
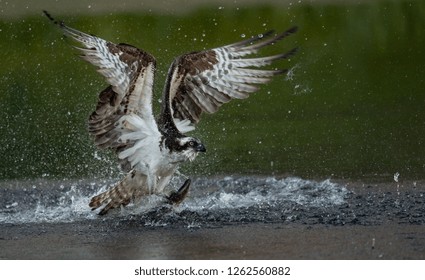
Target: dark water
(223,218)
(220,201)
(351,107)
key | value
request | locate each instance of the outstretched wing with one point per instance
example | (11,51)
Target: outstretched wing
(123,117)
(203,81)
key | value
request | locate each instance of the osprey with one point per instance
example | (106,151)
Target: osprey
(150,149)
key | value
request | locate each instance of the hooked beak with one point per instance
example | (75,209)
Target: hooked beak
(200,148)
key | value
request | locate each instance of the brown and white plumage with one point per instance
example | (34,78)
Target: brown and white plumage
(150,149)
(204,81)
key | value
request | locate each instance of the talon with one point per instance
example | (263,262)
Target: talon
(178,196)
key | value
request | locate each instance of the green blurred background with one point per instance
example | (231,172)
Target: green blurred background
(352,106)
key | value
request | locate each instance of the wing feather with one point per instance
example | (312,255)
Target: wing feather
(123,118)
(203,81)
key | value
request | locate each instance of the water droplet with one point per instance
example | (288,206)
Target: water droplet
(396,177)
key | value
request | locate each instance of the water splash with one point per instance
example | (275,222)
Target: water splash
(247,191)
(57,202)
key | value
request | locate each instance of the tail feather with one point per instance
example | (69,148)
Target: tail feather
(121,194)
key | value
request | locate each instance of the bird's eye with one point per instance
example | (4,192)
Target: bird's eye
(192,143)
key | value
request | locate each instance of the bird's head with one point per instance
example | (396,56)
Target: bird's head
(190,147)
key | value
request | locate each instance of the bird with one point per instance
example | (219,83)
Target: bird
(150,148)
